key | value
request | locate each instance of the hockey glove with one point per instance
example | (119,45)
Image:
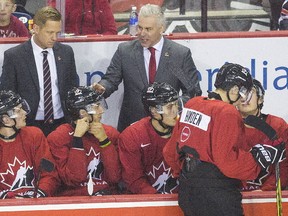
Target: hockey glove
(266,155)
(279,152)
(281,148)
(262,155)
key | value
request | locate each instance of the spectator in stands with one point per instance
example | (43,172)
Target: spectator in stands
(21,7)
(205,149)
(172,64)
(27,166)
(283,20)
(275,7)
(86,150)
(141,144)
(23,71)
(255,136)
(84,17)
(11,26)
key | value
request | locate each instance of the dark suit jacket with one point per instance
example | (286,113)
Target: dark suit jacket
(19,74)
(176,67)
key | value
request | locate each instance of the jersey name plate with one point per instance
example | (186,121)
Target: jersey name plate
(195,118)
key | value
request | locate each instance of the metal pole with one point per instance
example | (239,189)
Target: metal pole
(182,7)
(204,16)
(60,6)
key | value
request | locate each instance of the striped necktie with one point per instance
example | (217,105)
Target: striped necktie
(152,65)
(48,106)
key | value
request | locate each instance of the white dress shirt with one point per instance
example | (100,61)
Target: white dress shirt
(38,56)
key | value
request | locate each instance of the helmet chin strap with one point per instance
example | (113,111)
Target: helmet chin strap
(230,101)
(163,125)
(12,136)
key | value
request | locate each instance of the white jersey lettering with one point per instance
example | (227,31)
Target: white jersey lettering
(195,118)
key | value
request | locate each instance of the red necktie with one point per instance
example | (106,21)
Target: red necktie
(152,65)
(48,106)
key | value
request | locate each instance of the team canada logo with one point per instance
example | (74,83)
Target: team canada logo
(18,175)
(185,134)
(163,180)
(95,166)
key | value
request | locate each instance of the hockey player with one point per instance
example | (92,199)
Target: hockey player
(141,144)
(27,166)
(205,148)
(255,136)
(85,150)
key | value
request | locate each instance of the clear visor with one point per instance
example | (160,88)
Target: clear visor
(97,108)
(171,109)
(16,111)
(245,95)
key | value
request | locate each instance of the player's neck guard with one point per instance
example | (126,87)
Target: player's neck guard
(214,95)
(8,137)
(12,136)
(168,132)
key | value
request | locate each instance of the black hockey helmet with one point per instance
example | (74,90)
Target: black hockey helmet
(259,88)
(158,94)
(9,100)
(81,97)
(231,74)
(259,91)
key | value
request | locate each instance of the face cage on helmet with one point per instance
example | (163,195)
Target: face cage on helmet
(245,95)
(170,109)
(14,113)
(92,108)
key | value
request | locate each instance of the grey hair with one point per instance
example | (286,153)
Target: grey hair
(153,10)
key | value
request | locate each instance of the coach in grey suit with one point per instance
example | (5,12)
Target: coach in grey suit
(130,63)
(23,69)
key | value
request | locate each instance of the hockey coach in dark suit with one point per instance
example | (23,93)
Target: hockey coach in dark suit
(23,71)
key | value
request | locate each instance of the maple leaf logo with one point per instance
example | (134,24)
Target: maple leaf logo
(159,170)
(18,175)
(165,183)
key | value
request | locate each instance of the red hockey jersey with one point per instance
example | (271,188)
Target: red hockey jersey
(144,168)
(20,163)
(254,136)
(216,131)
(74,165)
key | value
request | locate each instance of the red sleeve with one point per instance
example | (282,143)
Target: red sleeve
(23,31)
(282,131)
(109,155)
(71,162)
(49,179)
(171,155)
(107,19)
(130,157)
(19,27)
(227,138)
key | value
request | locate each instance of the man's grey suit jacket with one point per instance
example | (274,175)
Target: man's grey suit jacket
(176,67)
